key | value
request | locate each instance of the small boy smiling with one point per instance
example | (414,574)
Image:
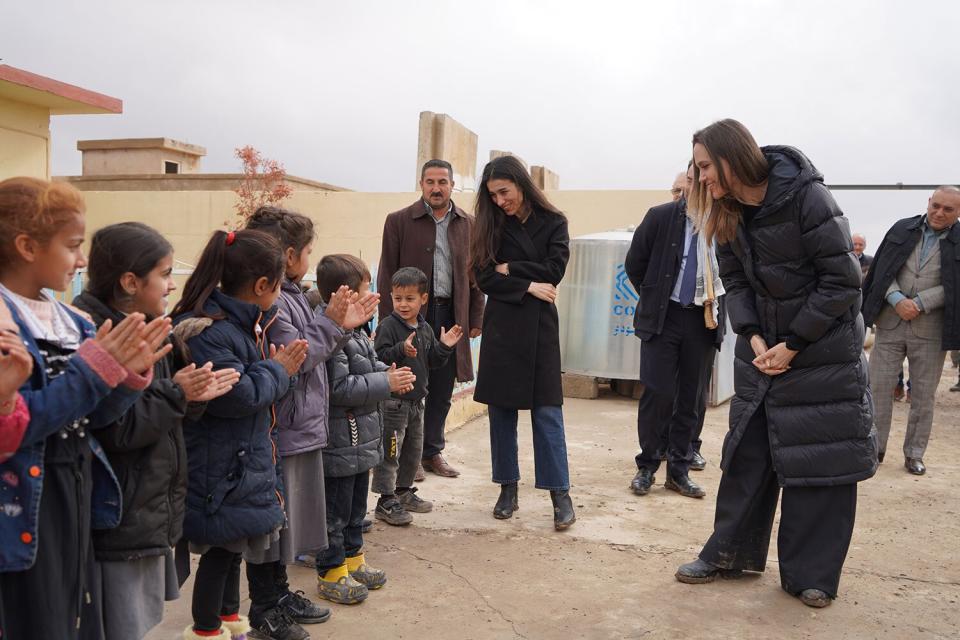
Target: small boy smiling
(404,338)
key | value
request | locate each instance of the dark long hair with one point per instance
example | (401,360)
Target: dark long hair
(490,218)
(730,141)
(127,247)
(251,255)
(289,228)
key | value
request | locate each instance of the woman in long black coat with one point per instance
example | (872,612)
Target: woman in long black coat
(519,253)
(802,417)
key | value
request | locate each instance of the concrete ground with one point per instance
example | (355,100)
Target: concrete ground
(459,573)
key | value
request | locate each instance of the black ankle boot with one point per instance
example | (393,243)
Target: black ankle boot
(563,515)
(507,502)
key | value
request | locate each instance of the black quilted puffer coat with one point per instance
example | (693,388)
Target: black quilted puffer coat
(790,275)
(358,383)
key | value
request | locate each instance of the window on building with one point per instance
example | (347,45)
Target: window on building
(171,167)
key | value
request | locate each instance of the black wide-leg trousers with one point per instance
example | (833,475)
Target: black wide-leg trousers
(816,523)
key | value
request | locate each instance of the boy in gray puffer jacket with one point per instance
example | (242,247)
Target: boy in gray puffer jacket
(358,383)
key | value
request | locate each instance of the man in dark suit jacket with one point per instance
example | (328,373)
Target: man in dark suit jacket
(677,350)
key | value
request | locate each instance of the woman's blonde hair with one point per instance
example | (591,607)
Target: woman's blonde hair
(730,141)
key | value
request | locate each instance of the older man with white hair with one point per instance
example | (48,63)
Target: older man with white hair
(859,246)
(912,296)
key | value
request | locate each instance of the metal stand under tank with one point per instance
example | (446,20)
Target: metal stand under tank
(596,304)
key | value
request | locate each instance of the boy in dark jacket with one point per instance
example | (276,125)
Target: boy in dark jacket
(358,383)
(405,338)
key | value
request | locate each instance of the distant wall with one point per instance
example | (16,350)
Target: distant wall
(350,222)
(24,140)
(346,222)
(107,162)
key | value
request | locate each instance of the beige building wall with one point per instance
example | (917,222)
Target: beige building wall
(346,222)
(349,221)
(24,140)
(107,162)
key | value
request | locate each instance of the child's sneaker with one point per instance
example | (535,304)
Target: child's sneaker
(409,501)
(301,610)
(336,585)
(277,625)
(365,574)
(392,512)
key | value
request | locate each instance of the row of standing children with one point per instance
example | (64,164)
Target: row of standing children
(224,440)
(59,486)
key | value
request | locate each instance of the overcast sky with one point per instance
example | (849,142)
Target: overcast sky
(606,94)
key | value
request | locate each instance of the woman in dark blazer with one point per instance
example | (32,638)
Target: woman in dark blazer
(801,421)
(519,253)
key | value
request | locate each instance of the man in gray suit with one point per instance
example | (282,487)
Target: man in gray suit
(911,296)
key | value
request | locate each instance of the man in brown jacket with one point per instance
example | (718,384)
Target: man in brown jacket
(433,235)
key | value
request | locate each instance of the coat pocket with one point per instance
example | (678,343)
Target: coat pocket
(224,487)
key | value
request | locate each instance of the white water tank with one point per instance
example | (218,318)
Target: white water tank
(596,303)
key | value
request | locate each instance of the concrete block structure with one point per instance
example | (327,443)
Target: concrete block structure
(139,156)
(443,138)
(497,153)
(27,101)
(578,386)
(159,164)
(544,178)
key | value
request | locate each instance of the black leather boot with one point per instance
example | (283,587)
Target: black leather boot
(507,502)
(563,515)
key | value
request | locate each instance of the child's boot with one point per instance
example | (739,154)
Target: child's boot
(237,625)
(364,573)
(337,585)
(220,634)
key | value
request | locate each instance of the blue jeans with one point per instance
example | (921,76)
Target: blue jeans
(549,447)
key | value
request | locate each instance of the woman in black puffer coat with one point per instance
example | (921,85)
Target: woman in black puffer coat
(802,417)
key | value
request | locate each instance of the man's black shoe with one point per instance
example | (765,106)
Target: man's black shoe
(642,482)
(684,486)
(915,466)
(699,463)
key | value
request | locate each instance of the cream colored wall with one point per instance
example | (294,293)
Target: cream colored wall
(24,140)
(346,222)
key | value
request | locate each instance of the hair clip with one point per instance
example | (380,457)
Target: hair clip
(231,236)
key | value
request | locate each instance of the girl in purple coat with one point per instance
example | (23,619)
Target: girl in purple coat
(302,414)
